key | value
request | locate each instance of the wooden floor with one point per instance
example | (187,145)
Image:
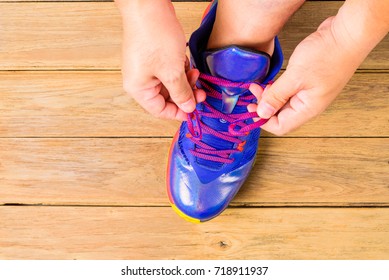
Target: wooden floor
(82,167)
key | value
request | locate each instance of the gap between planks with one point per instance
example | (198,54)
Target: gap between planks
(132,172)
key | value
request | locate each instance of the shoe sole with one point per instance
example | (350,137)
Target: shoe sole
(175,208)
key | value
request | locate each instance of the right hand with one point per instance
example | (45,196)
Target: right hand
(155,67)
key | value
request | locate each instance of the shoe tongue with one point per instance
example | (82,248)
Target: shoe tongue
(236,64)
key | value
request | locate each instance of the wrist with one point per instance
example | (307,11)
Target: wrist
(134,6)
(361,24)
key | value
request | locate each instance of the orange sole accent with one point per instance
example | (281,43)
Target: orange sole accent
(207,10)
(168,167)
(175,208)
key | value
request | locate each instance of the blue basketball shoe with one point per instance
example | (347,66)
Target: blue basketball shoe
(214,150)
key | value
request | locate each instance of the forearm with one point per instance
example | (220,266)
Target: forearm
(360,25)
(127,7)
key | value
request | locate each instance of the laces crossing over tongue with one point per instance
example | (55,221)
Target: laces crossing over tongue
(236,128)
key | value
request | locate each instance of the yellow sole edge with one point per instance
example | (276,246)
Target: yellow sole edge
(184,216)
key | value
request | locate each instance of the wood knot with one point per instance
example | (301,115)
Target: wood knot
(223,244)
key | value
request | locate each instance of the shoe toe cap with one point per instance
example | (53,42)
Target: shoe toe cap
(197,201)
(200,201)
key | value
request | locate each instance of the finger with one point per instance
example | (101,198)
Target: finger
(256,90)
(172,112)
(153,102)
(253,108)
(187,64)
(294,114)
(200,95)
(275,96)
(193,76)
(180,91)
(164,92)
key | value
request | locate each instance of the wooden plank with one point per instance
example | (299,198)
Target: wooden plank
(68,35)
(49,104)
(72,104)
(131,172)
(87,35)
(158,233)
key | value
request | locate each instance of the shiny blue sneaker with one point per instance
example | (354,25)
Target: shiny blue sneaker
(214,150)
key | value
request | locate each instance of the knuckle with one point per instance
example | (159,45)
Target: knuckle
(279,132)
(311,110)
(181,96)
(172,76)
(156,114)
(161,114)
(326,23)
(280,98)
(128,85)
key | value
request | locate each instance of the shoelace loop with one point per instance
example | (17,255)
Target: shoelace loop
(236,129)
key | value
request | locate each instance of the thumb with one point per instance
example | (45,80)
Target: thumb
(275,96)
(180,91)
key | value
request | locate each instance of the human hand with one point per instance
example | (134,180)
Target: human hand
(321,65)
(155,67)
(318,69)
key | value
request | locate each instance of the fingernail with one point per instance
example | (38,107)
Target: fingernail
(188,106)
(265,110)
(252,108)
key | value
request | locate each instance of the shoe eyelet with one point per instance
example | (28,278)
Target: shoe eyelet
(240,146)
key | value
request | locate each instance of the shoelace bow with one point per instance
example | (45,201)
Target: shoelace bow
(237,126)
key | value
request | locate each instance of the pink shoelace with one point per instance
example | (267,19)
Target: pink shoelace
(237,126)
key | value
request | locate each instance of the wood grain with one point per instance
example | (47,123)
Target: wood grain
(66,35)
(86,165)
(158,233)
(131,172)
(92,103)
